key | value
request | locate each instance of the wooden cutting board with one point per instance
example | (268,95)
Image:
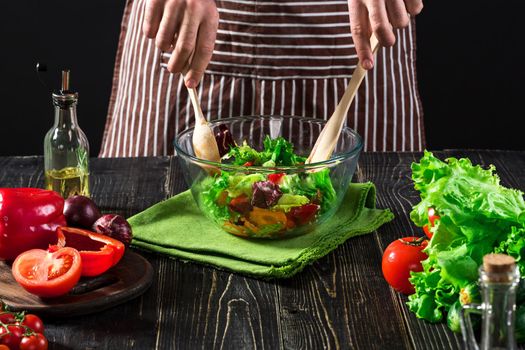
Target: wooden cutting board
(125,281)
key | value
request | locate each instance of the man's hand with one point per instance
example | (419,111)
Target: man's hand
(187,28)
(379,17)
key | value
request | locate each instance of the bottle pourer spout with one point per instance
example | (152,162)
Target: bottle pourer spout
(65,80)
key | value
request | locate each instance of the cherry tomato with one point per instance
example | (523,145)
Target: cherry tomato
(4,347)
(432,217)
(275,178)
(7,317)
(35,341)
(248,164)
(241,204)
(34,322)
(400,257)
(11,336)
(48,274)
(304,214)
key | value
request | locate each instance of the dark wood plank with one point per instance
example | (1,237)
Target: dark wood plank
(337,303)
(201,307)
(342,301)
(391,174)
(21,171)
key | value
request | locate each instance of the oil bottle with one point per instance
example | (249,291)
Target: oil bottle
(498,279)
(66,148)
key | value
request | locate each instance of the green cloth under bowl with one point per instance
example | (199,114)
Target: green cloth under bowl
(177,228)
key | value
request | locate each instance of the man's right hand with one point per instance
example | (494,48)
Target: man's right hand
(188,29)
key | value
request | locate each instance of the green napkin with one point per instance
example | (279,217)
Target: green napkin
(177,228)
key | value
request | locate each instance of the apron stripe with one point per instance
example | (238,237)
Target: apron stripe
(167,115)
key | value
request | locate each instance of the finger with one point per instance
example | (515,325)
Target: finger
(204,49)
(414,7)
(185,43)
(169,25)
(397,13)
(361,33)
(152,17)
(380,24)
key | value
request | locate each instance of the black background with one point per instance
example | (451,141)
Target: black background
(470,65)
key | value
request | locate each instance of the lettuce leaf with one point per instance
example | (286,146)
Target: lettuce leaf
(276,152)
(311,185)
(243,184)
(478,216)
(208,192)
(288,201)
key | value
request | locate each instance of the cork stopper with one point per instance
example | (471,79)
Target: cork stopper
(499,267)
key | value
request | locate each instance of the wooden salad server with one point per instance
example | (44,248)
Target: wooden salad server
(327,139)
(204,142)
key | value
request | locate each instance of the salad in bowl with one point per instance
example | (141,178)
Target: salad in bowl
(262,188)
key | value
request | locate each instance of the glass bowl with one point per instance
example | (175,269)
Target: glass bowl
(302,196)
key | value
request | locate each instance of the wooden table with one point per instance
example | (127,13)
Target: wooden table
(341,301)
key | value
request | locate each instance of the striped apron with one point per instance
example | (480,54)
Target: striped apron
(286,57)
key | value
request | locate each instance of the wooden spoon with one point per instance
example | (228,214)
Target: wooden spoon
(204,143)
(327,139)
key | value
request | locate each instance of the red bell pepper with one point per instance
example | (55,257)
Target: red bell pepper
(97,252)
(28,219)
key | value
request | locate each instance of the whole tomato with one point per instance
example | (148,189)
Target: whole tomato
(34,322)
(7,317)
(35,341)
(11,336)
(400,257)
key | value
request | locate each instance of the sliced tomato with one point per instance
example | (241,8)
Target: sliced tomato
(248,164)
(304,214)
(241,204)
(275,178)
(48,274)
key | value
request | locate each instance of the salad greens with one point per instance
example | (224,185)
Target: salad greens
(265,203)
(477,216)
(276,152)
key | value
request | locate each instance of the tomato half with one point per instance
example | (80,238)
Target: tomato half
(400,257)
(48,274)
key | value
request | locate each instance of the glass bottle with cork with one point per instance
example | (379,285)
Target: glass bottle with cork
(66,148)
(498,278)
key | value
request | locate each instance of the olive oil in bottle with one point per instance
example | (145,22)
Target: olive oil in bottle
(68,181)
(66,148)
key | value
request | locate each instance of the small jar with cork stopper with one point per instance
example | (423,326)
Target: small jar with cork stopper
(66,147)
(498,279)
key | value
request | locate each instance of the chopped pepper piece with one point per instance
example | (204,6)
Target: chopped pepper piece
(262,217)
(98,252)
